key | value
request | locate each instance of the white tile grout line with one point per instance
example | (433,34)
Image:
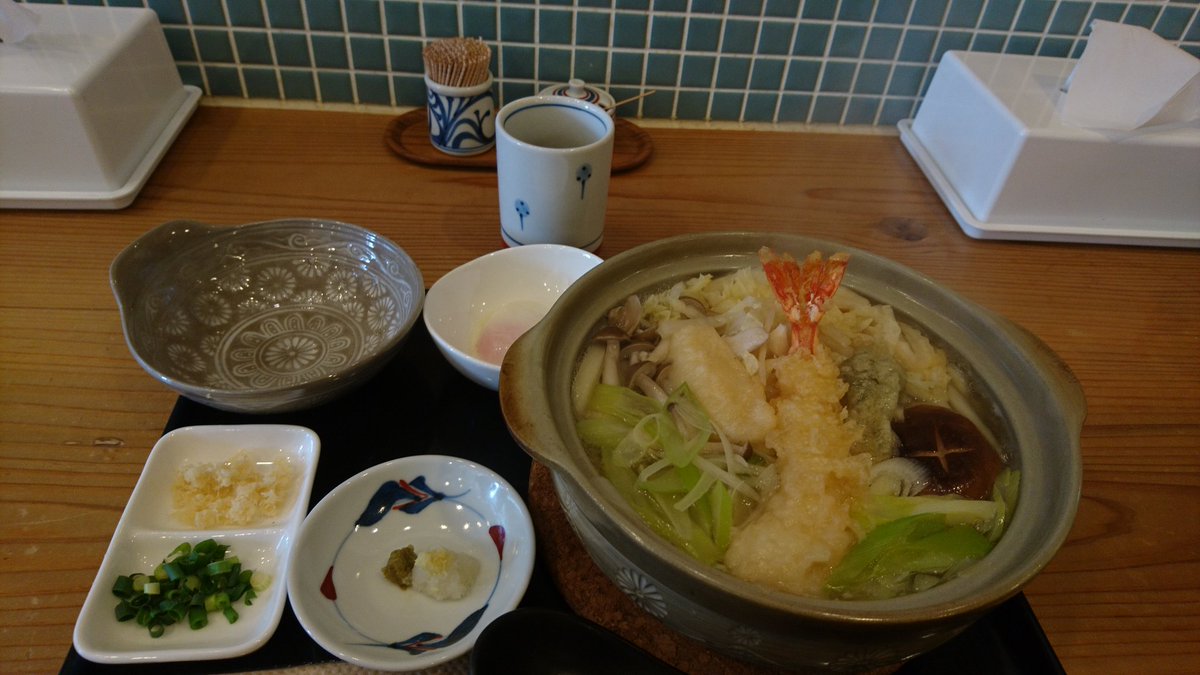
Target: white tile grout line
(821,72)
(608,61)
(349,52)
(387,53)
(644,86)
(537,44)
(271,48)
(312,55)
(858,64)
(233,48)
(930,65)
(787,63)
(187,14)
(753,58)
(712,82)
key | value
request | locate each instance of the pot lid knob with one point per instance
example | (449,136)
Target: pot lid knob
(577,88)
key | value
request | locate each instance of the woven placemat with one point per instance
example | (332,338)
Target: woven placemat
(408,136)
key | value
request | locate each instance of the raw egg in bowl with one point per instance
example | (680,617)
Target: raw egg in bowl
(477,310)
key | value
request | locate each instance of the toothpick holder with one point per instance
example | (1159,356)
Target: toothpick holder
(462,120)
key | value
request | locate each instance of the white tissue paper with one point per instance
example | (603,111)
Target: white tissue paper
(1129,78)
(16,22)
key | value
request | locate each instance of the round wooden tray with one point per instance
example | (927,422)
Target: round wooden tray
(408,136)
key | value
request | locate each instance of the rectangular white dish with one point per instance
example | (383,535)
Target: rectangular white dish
(146,533)
(989,138)
(89,103)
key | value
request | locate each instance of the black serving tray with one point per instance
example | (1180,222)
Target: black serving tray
(419,405)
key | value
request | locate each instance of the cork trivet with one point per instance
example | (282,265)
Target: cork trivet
(408,136)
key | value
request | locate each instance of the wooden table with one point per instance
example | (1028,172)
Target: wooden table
(78,416)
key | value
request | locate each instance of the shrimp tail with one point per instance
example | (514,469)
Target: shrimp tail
(802,291)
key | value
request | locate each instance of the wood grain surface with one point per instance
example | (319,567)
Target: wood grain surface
(78,416)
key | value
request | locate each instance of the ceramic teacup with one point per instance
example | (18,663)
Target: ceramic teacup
(462,120)
(553,160)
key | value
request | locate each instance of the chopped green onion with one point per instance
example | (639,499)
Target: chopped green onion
(125,612)
(173,571)
(122,586)
(190,582)
(197,618)
(221,566)
(216,601)
(180,550)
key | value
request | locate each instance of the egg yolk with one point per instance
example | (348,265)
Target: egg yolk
(503,328)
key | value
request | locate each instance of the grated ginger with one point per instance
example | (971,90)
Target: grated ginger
(237,492)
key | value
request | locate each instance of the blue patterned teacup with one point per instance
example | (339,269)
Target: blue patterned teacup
(462,120)
(553,160)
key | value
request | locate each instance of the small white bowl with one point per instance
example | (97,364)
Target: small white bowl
(336,584)
(479,308)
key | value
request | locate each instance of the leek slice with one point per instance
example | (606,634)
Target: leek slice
(650,452)
(896,557)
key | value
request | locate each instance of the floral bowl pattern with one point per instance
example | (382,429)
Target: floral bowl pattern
(267,317)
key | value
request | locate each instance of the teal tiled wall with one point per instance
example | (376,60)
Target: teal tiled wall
(849,62)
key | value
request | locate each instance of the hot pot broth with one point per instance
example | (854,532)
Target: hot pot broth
(794,433)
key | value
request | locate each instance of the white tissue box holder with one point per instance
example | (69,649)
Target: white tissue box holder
(989,138)
(89,103)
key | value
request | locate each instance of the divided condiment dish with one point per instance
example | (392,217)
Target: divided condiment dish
(147,533)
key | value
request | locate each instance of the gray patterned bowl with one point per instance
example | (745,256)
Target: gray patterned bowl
(1038,401)
(267,317)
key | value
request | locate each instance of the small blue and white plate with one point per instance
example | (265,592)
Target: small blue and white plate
(336,584)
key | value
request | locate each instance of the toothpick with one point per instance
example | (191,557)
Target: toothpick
(457,62)
(631,99)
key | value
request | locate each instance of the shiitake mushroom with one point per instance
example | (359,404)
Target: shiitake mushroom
(959,458)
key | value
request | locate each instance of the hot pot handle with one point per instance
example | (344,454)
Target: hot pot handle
(526,408)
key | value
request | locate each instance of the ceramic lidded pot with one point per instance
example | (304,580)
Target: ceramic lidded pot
(1036,399)
(577,88)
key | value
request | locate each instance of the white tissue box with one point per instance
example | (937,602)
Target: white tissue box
(989,137)
(89,102)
